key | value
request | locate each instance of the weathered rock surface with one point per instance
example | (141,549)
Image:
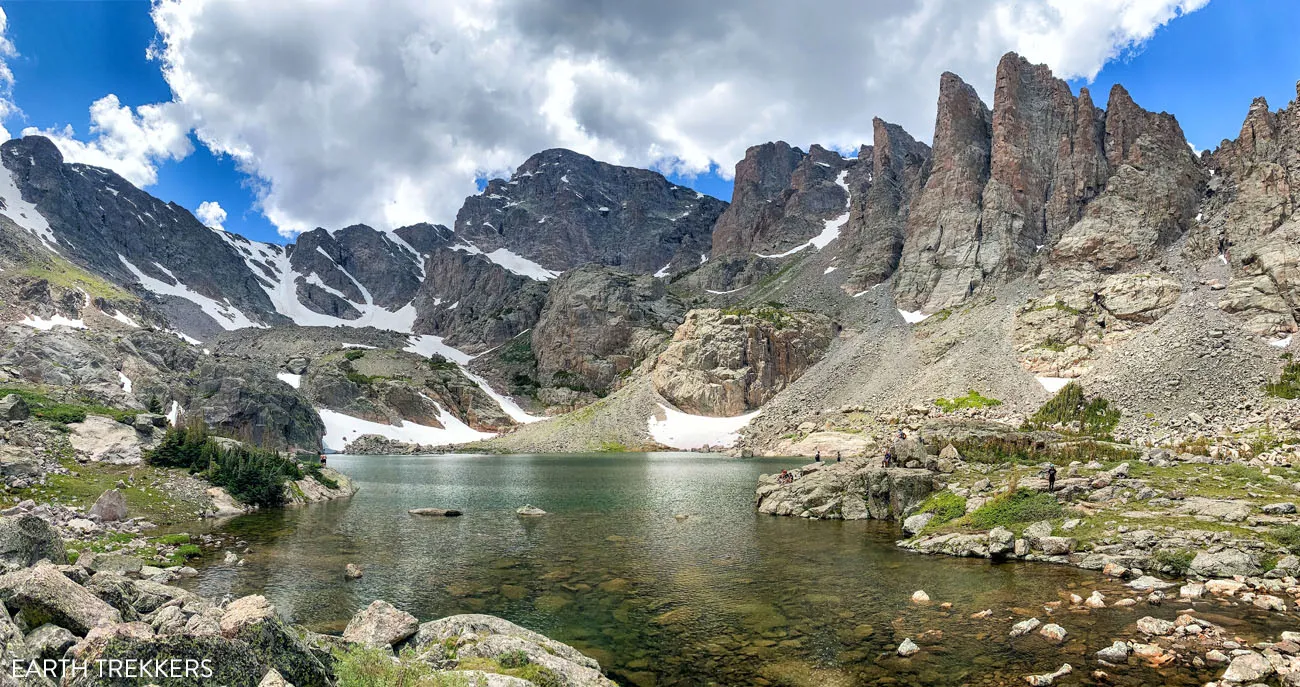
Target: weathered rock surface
(486,636)
(26,539)
(724,363)
(380,625)
(852,490)
(599,324)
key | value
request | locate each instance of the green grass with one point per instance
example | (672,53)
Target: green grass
(60,272)
(946,507)
(146,495)
(1024,449)
(777,317)
(518,351)
(438,362)
(1019,507)
(972,399)
(354,354)
(46,408)
(1071,408)
(612,447)
(359,666)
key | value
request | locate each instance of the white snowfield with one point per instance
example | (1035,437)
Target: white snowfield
(912,317)
(289,378)
(223,313)
(511,261)
(426,345)
(1053,384)
(23,213)
(126,382)
(684,431)
(55,321)
(341,429)
(1281,343)
(830,230)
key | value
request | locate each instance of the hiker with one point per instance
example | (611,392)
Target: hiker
(837,456)
(901,435)
(784,477)
(1051,477)
(889,456)
(322,460)
(818,458)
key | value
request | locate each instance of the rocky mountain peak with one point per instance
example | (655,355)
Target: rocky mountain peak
(561,209)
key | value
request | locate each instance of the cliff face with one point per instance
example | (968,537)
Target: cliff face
(474,303)
(561,209)
(724,363)
(599,324)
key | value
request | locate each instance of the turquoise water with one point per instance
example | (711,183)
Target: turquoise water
(724,596)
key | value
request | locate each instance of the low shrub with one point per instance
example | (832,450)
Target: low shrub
(360,666)
(1287,536)
(1176,562)
(1018,507)
(354,354)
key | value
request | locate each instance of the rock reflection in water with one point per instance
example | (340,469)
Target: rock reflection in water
(722,596)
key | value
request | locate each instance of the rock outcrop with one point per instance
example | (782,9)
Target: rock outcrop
(727,362)
(857,489)
(598,325)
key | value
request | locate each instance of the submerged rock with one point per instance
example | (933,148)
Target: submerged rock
(908,648)
(531,511)
(435,512)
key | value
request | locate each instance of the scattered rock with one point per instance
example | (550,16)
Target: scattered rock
(446,512)
(908,648)
(380,624)
(530,510)
(352,571)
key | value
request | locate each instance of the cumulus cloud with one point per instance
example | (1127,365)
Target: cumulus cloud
(385,112)
(211,214)
(7,51)
(129,143)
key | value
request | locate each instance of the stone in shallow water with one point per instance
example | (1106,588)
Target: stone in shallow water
(919,597)
(908,648)
(1049,678)
(529,510)
(1115,653)
(435,512)
(1053,632)
(1248,667)
(1024,627)
(1154,626)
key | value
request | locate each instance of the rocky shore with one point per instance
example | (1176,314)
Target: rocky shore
(76,623)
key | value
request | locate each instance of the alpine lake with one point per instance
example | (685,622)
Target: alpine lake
(658,566)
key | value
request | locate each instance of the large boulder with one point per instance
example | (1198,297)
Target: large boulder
(103,439)
(485,636)
(724,363)
(13,408)
(855,490)
(253,620)
(380,625)
(26,539)
(1225,563)
(110,506)
(43,594)
(219,661)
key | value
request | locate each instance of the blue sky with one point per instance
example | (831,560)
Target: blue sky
(1204,67)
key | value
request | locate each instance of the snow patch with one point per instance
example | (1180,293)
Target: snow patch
(663,271)
(911,317)
(55,321)
(830,269)
(1053,384)
(1281,343)
(25,214)
(341,429)
(126,382)
(703,258)
(830,230)
(722,293)
(684,431)
(174,414)
(121,317)
(289,378)
(226,315)
(512,261)
(354,345)
(426,345)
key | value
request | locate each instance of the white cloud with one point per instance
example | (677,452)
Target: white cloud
(129,143)
(211,214)
(7,51)
(385,112)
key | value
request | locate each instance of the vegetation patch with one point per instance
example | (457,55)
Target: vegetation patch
(360,666)
(65,412)
(252,475)
(1286,536)
(775,316)
(1287,384)
(60,272)
(1025,449)
(1177,562)
(972,399)
(1070,408)
(946,507)
(1018,507)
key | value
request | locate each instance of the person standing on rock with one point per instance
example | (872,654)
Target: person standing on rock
(1051,477)
(837,456)
(818,458)
(322,460)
